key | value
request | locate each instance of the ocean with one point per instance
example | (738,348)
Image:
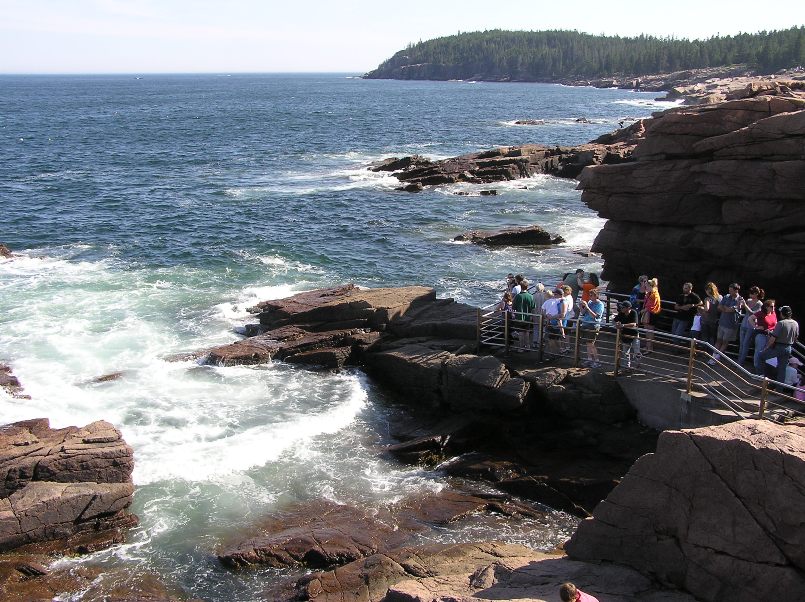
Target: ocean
(148,213)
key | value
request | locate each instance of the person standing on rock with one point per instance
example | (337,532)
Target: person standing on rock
(524,311)
(780,343)
(685,306)
(570,593)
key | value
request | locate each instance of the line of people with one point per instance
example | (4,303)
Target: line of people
(576,296)
(718,319)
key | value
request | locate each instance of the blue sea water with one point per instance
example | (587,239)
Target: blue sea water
(149,213)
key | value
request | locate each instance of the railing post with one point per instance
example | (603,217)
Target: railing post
(478,329)
(691,359)
(576,345)
(764,391)
(617,350)
(506,330)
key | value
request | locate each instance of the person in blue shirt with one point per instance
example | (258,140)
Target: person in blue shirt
(592,314)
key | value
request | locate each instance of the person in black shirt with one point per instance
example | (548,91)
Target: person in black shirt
(626,321)
(685,306)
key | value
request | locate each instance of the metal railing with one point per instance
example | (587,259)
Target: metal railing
(696,365)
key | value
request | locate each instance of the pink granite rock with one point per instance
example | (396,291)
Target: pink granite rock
(717,511)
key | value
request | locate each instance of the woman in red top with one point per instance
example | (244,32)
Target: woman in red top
(763,322)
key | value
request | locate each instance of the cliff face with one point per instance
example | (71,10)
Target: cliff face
(715,193)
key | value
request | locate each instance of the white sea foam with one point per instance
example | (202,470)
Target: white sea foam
(649,103)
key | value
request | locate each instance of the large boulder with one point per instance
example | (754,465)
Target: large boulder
(55,483)
(717,511)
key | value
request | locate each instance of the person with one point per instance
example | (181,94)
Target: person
(505,304)
(780,344)
(638,293)
(763,323)
(524,307)
(591,284)
(592,312)
(686,305)
(518,285)
(626,322)
(540,295)
(575,281)
(729,319)
(746,332)
(550,312)
(568,310)
(570,593)
(709,313)
(510,282)
(652,306)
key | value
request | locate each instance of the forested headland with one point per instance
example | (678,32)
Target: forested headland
(498,55)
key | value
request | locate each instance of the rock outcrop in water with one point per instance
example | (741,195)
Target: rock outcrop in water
(714,193)
(10,383)
(72,485)
(504,163)
(4,251)
(529,236)
(717,511)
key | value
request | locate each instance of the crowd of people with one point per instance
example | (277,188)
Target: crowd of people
(751,322)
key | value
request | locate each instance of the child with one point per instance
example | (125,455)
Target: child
(570,593)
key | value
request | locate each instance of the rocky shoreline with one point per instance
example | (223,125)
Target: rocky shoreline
(537,434)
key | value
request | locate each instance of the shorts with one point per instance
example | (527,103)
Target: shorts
(727,334)
(589,332)
(652,319)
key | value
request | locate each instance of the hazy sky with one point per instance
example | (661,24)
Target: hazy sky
(146,36)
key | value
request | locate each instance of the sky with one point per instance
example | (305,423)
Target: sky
(231,36)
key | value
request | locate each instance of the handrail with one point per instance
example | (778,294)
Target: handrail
(697,365)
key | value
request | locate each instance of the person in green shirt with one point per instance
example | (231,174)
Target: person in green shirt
(524,306)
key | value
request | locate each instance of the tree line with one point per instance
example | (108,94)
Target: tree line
(556,55)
